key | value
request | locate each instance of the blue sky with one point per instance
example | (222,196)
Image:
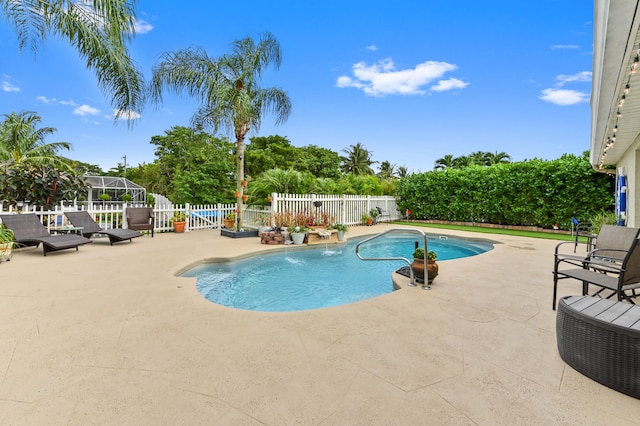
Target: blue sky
(410,80)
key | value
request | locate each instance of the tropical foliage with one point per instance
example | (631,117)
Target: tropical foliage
(228,88)
(31,169)
(357,160)
(97,29)
(534,192)
(478,158)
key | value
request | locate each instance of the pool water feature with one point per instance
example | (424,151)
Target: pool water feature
(310,278)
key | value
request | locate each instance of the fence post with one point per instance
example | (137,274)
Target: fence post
(187,213)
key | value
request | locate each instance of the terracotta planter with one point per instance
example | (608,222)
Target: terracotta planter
(178,227)
(418,269)
(229,223)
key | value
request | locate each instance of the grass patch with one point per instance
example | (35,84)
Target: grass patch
(501,231)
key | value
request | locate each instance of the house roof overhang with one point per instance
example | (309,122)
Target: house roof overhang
(616,45)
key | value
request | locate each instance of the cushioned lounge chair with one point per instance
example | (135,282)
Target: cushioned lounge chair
(29,231)
(611,246)
(89,227)
(140,219)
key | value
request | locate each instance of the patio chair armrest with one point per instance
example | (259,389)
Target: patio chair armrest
(564,243)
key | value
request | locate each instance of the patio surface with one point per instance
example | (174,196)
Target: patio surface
(109,335)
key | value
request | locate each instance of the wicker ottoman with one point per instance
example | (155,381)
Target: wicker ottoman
(600,338)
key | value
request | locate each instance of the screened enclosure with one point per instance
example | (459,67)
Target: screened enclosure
(115,188)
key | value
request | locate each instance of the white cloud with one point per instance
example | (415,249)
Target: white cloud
(450,84)
(9,87)
(564,46)
(83,110)
(46,100)
(563,97)
(584,76)
(142,27)
(372,47)
(70,103)
(126,115)
(383,78)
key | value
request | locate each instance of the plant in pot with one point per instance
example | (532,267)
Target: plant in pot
(6,243)
(179,220)
(366,219)
(418,264)
(342,230)
(374,215)
(229,220)
(298,233)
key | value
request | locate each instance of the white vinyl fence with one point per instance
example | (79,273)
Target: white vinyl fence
(346,209)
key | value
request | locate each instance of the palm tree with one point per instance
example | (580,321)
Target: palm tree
(29,167)
(446,162)
(97,29)
(357,161)
(387,170)
(479,158)
(22,142)
(228,88)
(498,157)
(403,172)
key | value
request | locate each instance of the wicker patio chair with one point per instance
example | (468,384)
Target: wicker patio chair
(140,219)
(89,227)
(622,280)
(29,231)
(612,243)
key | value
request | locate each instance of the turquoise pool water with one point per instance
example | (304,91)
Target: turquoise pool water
(331,275)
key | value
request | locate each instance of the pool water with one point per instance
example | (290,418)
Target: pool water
(329,275)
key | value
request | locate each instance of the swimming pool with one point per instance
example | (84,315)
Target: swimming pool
(323,276)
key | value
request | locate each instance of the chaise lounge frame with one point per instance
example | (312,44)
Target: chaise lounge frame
(89,227)
(29,231)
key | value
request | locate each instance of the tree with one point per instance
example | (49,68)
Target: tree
(264,153)
(320,162)
(446,162)
(387,170)
(97,29)
(228,88)
(193,166)
(497,158)
(31,168)
(357,161)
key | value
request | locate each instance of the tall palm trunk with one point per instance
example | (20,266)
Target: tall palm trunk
(241,132)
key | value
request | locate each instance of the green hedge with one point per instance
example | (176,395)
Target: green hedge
(535,192)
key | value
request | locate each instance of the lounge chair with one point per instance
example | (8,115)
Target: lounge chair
(622,280)
(611,246)
(140,219)
(89,227)
(29,231)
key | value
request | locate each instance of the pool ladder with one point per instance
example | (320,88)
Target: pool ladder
(412,280)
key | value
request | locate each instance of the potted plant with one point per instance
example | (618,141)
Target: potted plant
(297,234)
(6,243)
(374,215)
(229,220)
(126,198)
(418,264)
(179,220)
(366,219)
(342,229)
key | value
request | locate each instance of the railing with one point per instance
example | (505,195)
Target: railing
(412,281)
(345,209)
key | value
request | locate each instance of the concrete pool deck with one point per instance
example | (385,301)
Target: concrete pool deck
(109,335)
